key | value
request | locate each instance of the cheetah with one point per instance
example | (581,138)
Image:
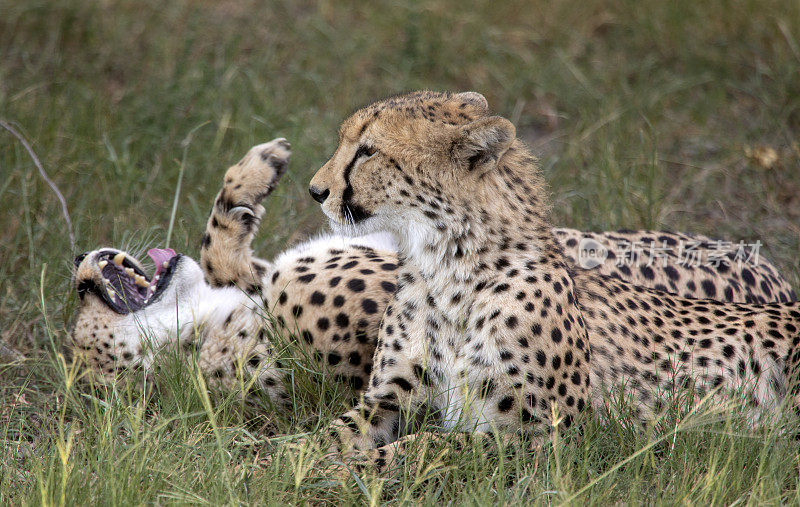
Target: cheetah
(224,313)
(327,294)
(491,324)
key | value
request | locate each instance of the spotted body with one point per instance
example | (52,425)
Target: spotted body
(492,324)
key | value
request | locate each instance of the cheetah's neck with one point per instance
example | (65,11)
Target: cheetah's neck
(479,239)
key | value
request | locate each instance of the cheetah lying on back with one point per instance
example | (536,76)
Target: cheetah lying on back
(328,293)
(490,323)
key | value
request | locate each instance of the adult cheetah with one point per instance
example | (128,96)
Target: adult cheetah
(227,307)
(491,323)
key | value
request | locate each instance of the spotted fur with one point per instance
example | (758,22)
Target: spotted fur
(492,324)
(327,294)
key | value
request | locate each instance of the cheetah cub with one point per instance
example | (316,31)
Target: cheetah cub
(491,324)
(224,310)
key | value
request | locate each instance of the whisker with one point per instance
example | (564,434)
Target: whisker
(349,220)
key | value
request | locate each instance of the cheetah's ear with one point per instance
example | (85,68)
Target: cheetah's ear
(480,144)
(474,99)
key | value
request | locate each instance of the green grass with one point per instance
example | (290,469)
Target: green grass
(643,113)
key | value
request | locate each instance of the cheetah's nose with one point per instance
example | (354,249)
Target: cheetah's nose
(77,261)
(318,195)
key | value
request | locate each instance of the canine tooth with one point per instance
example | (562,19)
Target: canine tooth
(119,258)
(165,264)
(102,264)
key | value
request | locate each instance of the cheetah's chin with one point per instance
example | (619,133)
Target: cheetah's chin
(348,230)
(371,225)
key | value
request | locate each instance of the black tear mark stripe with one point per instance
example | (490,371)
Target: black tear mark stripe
(357,213)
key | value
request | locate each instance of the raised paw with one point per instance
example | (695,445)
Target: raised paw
(255,176)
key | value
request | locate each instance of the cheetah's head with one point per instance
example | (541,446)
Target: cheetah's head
(405,160)
(117,297)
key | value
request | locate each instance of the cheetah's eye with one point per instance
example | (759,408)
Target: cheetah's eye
(366,151)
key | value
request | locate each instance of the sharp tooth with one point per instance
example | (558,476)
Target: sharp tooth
(130,271)
(165,264)
(140,281)
(119,258)
(102,264)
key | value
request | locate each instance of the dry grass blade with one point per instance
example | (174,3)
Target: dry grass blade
(46,178)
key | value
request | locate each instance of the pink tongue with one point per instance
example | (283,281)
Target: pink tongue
(160,256)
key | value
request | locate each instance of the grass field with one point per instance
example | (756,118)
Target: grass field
(680,115)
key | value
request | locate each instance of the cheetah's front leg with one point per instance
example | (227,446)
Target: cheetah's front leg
(375,421)
(396,386)
(226,257)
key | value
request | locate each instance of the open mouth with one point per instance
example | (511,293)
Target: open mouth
(126,288)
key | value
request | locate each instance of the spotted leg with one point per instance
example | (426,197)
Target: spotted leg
(375,420)
(225,253)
